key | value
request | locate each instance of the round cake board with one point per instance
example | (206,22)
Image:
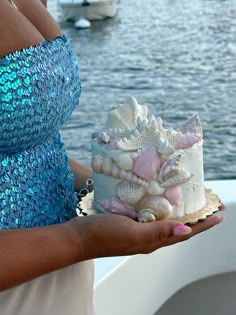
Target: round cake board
(213,203)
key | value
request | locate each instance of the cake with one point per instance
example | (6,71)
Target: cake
(145,171)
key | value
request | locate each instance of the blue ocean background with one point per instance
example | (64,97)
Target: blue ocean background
(178,57)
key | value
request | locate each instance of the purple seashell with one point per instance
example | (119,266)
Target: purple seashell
(186,141)
(193,125)
(147,164)
(112,145)
(115,205)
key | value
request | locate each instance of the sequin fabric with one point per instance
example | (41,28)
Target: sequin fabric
(39,89)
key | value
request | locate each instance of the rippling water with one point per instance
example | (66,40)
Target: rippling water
(176,56)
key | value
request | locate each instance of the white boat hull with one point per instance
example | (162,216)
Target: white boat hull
(90,9)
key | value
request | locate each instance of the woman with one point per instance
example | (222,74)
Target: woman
(45,265)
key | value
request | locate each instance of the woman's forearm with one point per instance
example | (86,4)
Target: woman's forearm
(44,2)
(33,252)
(81,174)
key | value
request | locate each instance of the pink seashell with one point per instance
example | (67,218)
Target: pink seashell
(173,194)
(186,141)
(115,205)
(147,164)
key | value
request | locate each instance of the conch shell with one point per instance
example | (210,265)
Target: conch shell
(153,208)
(109,167)
(125,115)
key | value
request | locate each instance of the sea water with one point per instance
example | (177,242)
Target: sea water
(176,56)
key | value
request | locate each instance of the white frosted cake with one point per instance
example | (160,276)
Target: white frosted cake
(147,172)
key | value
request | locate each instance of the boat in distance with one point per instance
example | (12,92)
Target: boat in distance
(88,9)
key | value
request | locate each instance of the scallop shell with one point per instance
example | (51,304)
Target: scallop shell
(129,193)
(125,115)
(147,164)
(115,205)
(159,207)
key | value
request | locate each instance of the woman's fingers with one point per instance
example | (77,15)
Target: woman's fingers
(196,229)
(222,206)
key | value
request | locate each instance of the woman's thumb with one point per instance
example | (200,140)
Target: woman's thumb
(165,229)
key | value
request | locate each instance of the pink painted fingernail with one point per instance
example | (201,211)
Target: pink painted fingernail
(182,230)
(221,219)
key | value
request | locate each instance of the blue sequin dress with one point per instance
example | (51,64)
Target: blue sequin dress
(39,89)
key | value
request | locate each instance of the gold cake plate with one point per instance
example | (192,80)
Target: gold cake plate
(213,204)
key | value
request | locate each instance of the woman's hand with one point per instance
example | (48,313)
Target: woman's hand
(104,235)
(41,250)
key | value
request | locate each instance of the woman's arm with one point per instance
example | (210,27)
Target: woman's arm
(81,174)
(33,252)
(44,2)
(30,253)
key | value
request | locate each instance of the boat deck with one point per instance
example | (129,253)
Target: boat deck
(141,284)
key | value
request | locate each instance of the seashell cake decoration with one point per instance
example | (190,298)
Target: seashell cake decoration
(144,171)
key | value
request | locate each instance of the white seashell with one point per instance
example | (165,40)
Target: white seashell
(129,193)
(129,177)
(134,155)
(155,188)
(139,181)
(125,161)
(153,122)
(159,207)
(123,174)
(96,163)
(180,178)
(169,168)
(146,215)
(103,137)
(125,115)
(148,137)
(115,171)
(107,166)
